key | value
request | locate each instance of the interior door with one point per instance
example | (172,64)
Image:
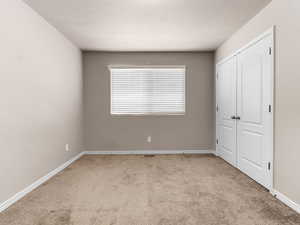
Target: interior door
(226,98)
(254,102)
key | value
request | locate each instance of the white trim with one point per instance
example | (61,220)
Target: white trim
(4,205)
(146,66)
(272,103)
(149,152)
(270,31)
(21,194)
(110,67)
(286,200)
(216,153)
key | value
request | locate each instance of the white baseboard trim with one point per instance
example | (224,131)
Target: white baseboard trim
(21,194)
(286,200)
(43,179)
(149,152)
(4,205)
(215,153)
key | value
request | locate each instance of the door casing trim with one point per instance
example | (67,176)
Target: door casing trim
(269,32)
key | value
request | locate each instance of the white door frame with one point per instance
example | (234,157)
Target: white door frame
(269,32)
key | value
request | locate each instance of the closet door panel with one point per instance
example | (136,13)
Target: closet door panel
(253,88)
(227,110)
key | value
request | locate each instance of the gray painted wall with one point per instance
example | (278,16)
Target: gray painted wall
(40,98)
(285,16)
(195,130)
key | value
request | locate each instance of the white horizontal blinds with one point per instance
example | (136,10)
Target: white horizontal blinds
(148,90)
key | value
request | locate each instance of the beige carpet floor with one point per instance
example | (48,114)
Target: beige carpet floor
(160,190)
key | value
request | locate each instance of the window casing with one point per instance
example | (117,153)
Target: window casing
(148,90)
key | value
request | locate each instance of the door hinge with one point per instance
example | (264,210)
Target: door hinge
(270,108)
(269,166)
(270,51)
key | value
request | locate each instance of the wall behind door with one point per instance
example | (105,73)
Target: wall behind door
(285,15)
(195,130)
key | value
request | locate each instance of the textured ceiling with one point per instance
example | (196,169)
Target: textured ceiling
(147,25)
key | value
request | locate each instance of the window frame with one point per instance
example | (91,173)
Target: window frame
(110,67)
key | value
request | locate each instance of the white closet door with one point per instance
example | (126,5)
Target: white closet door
(254,97)
(226,98)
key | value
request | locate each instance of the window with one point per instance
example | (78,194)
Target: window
(147,91)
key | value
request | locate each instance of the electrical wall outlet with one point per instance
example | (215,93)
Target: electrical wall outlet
(67,147)
(149,139)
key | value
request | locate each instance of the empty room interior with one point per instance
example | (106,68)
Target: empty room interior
(149,112)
